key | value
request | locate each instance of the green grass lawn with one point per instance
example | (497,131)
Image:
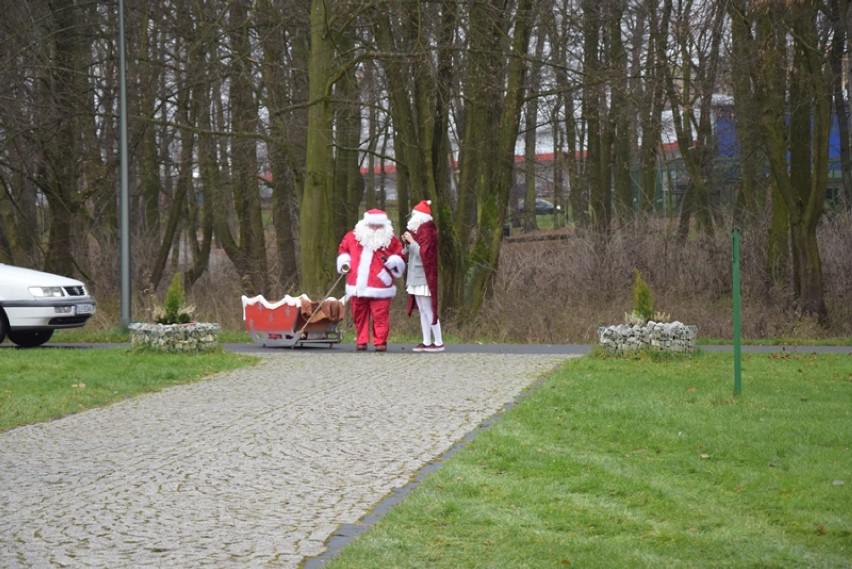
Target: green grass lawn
(43,384)
(643,464)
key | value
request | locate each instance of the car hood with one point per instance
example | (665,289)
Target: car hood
(20,276)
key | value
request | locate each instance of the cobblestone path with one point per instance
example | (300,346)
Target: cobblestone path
(253,468)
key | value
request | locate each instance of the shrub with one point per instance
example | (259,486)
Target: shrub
(173,310)
(643,304)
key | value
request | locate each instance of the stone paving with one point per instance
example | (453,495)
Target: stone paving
(253,468)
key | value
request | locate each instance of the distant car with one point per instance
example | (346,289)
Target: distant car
(33,304)
(542,206)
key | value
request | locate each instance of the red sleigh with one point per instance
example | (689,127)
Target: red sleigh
(293,321)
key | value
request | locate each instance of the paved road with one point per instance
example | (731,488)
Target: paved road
(264,467)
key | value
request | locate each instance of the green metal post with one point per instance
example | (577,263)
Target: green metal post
(735,240)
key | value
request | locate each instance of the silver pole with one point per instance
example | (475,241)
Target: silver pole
(123,174)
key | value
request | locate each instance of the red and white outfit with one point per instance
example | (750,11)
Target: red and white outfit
(372,257)
(422,280)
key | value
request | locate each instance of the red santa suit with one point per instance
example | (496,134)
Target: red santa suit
(426,236)
(422,279)
(372,257)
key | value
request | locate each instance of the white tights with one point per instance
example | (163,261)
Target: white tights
(430,331)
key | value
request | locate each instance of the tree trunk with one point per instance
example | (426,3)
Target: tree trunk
(348,183)
(753,183)
(252,239)
(695,89)
(597,157)
(498,174)
(318,244)
(797,141)
(150,179)
(652,103)
(286,131)
(64,92)
(532,170)
(419,100)
(621,116)
(577,201)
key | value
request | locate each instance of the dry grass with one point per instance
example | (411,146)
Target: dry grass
(561,290)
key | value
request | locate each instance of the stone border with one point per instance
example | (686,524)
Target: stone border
(191,337)
(668,337)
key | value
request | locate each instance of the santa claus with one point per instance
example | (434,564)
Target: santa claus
(372,257)
(422,281)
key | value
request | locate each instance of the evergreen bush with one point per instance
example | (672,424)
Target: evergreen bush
(643,304)
(173,310)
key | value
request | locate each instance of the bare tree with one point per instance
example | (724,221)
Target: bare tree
(753,183)
(794,101)
(690,96)
(416,51)
(562,28)
(285,52)
(650,93)
(598,172)
(316,233)
(492,119)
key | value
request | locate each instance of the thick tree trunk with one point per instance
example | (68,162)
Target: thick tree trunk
(285,137)
(807,271)
(148,87)
(752,188)
(64,98)
(318,244)
(493,187)
(419,103)
(245,170)
(797,137)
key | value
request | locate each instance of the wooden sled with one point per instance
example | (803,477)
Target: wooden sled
(293,321)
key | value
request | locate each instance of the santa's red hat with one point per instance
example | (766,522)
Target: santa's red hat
(376,217)
(424,207)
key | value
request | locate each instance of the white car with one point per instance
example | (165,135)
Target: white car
(33,304)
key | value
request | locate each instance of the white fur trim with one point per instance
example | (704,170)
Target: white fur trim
(376,218)
(371,292)
(385,276)
(286,301)
(362,273)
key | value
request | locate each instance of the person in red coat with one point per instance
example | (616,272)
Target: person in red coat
(422,279)
(372,257)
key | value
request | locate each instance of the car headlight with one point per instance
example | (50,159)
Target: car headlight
(46,291)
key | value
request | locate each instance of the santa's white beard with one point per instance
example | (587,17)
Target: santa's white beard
(373,238)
